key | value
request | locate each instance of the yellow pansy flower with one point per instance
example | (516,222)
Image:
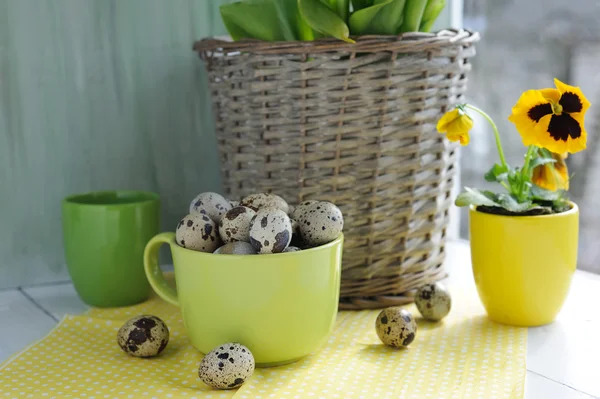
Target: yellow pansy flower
(552,118)
(456,125)
(552,176)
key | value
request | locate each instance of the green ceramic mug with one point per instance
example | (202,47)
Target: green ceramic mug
(104,238)
(281,306)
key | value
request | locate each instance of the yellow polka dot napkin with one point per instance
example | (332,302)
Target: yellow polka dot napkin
(465,356)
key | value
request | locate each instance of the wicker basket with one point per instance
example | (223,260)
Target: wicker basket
(354,125)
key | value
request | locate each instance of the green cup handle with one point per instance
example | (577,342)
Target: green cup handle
(152,268)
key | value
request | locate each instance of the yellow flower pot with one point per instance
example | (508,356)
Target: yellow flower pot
(523,264)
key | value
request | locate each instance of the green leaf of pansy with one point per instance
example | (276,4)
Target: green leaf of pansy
(495,172)
(539,193)
(540,161)
(509,203)
(472,196)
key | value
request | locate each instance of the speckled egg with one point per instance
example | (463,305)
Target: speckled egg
(292,249)
(433,301)
(320,223)
(143,336)
(227,366)
(263,200)
(270,231)
(298,209)
(234,203)
(291,210)
(236,248)
(211,204)
(235,224)
(198,232)
(396,327)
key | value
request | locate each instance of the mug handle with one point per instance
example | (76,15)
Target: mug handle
(152,268)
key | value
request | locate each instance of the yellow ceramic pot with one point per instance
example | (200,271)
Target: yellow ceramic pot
(523,264)
(281,306)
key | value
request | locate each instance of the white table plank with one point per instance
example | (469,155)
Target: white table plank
(58,300)
(22,323)
(565,351)
(538,386)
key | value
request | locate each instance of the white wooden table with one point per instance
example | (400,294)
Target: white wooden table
(563,359)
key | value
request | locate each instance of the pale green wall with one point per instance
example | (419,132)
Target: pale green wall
(97,94)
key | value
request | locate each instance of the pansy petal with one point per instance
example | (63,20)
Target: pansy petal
(574,100)
(448,117)
(552,95)
(526,114)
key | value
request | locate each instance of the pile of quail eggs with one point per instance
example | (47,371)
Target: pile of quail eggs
(258,224)
(396,326)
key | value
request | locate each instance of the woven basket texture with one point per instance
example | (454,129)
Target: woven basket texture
(353,124)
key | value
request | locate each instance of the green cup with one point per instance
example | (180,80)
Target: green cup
(105,234)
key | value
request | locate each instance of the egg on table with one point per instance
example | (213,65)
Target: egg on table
(270,231)
(433,301)
(197,232)
(235,224)
(396,327)
(264,200)
(320,222)
(143,336)
(211,204)
(227,366)
(236,248)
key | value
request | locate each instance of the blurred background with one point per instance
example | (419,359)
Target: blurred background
(109,95)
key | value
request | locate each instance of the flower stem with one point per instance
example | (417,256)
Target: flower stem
(525,171)
(498,143)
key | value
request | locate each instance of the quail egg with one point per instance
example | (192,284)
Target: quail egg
(433,301)
(197,232)
(396,327)
(291,249)
(270,231)
(143,336)
(263,200)
(234,203)
(320,223)
(298,209)
(235,224)
(227,366)
(211,204)
(236,248)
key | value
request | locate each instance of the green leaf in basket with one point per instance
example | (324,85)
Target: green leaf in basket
(384,17)
(323,19)
(360,4)
(341,7)
(413,14)
(270,20)
(431,13)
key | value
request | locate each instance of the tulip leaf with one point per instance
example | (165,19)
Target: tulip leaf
(384,17)
(360,4)
(413,13)
(270,20)
(323,19)
(472,196)
(431,13)
(341,7)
